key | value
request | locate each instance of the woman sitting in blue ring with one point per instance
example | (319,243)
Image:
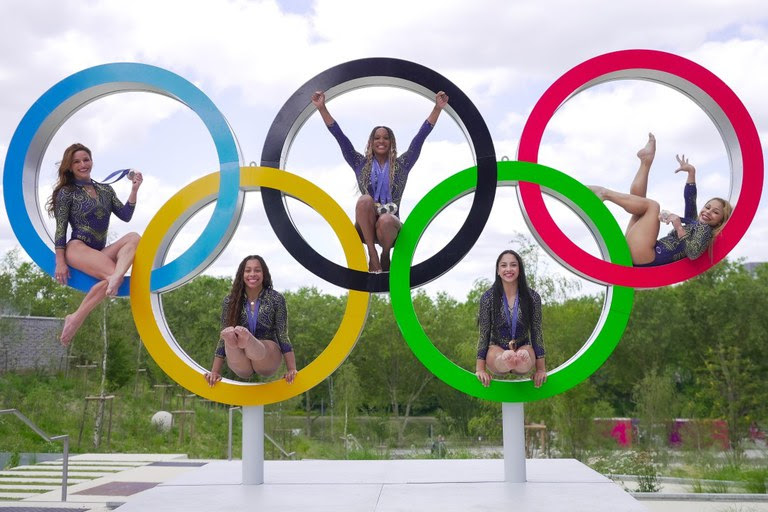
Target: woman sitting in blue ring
(381,177)
(509,321)
(254,323)
(87,206)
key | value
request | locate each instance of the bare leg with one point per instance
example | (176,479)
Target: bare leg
(387,228)
(72,322)
(109,264)
(525,360)
(94,263)
(236,358)
(271,361)
(260,356)
(124,250)
(639,186)
(365,220)
(500,361)
(642,234)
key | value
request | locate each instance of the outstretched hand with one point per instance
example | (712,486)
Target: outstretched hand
(684,165)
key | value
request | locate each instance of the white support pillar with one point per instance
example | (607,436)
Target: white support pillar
(513,424)
(253,445)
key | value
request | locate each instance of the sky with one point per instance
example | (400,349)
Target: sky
(250,56)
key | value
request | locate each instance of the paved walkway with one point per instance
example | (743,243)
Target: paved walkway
(165,482)
(97,482)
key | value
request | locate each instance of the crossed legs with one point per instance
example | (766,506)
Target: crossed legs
(376,228)
(643,228)
(247,354)
(108,266)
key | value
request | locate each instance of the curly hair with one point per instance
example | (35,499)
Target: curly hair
(365,172)
(237,293)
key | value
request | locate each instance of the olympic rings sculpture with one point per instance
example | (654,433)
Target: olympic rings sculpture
(45,117)
(152,275)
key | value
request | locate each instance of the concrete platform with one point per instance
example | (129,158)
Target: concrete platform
(387,486)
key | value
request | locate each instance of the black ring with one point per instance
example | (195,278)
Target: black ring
(362,73)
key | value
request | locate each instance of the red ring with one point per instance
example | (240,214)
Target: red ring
(693,75)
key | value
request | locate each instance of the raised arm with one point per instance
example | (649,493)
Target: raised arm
(441,100)
(689,192)
(687,168)
(352,157)
(138,179)
(318,100)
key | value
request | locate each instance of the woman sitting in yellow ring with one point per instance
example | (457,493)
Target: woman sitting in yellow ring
(254,321)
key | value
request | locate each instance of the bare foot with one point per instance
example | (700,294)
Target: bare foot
(71,324)
(243,337)
(385,261)
(523,362)
(648,151)
(113,284)
(229,337)
(507,360)
(253,347)
(599,191)
(373,263)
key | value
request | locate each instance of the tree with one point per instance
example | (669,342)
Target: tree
(348,392)
(656,406)
(193,314)
(313,319)
(730,385)
(393,377)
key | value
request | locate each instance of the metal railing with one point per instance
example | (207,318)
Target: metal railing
(64,440)
(267,436)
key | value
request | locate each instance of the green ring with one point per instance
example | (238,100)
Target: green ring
(616,308)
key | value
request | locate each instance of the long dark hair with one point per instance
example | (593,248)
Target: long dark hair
(237,293)
(365,172)
(65,175)
(523,293)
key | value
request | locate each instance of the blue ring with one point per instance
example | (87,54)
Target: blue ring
(49,112)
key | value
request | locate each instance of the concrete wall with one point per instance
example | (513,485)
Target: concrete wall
(30,343)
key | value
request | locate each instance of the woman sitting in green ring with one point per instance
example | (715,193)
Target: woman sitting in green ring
(509,321)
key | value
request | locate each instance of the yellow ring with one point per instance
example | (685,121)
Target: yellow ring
(156,335)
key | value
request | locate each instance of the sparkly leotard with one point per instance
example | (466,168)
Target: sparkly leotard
(404,162)
(88,216)
(527,331)
(692,244)
(272,322)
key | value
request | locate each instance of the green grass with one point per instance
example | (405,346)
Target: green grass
(27,490)
(55,404)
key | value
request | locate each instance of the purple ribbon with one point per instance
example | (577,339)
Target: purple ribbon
(122,173)
(512,323)
(380,182)
(252,314)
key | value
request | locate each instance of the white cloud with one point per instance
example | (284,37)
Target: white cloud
(250,56)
